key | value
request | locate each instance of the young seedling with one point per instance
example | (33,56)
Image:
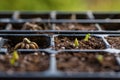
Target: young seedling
(76,43)
(87,37)
(14,58)
(100,58)
(26,44)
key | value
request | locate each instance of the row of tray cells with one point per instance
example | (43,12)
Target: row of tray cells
(59,42)
(53,15)
(59,26)
(63,61)
(66,61)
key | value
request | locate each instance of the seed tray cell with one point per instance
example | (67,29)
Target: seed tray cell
(10,41)
(6,15)
(3,26)
(114,41)
(28,26)
(71,16)
(27,63)
(110,26)
(107,15)
(103,26)
(24,15)
(86,62)
(33,16)
(67,42)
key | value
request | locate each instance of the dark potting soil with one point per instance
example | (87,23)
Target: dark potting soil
(112,26)
(114,42)
(86,62)
(68,43)
(75,27)
(25,63)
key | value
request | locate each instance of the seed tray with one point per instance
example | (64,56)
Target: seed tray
(61,22)
(105,24)
(58,15)
(42,15)
(54,70)
(62,27)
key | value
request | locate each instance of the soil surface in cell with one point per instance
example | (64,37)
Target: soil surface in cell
(68,43)
(28,26)
(86,62)
(25,63)
(111,27)
(114,42)
(75,27)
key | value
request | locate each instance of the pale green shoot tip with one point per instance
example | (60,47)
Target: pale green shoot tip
(87,37)
(100,58)
(14,58)
(76,43)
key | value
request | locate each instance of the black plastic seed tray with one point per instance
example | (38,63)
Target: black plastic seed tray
(57,57)
(60,22)
(62,26)
(58,15)
(42,15)
(107,15)
(63,62)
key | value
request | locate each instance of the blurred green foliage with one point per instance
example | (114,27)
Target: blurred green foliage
(67,5)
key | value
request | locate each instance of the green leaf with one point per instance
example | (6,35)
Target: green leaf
(87,37)
(14,58)
(12,61)
(100,58)
(15,55)
(76,43)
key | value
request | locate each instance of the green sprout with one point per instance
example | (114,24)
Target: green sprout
(87,37)
(14,58)
(76,43)
(99,58)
